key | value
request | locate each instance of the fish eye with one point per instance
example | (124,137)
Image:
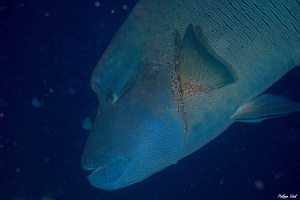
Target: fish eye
(112,97)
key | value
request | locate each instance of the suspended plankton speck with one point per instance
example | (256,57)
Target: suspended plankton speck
(46,14)
(97,3)
(125,7)
(71,91)
(17,170)
(37,101)
(259,185)
(112,11)
(277,176)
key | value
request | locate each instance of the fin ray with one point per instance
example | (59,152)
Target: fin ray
(265,106)
(198,65)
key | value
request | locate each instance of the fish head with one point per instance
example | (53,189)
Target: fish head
(138,130)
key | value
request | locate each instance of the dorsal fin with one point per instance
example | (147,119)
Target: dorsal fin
(200,71)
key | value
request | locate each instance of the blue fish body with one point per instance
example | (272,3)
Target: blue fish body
(178,73)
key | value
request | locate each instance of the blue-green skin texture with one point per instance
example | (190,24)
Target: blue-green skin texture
(158,99)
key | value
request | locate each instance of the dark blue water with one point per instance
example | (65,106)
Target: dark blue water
(49,48)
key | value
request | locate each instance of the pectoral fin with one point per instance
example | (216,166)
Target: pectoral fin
(200,71)
(265,106)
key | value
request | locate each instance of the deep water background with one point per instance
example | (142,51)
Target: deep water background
(50,48)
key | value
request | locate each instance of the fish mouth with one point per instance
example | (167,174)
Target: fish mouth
(106,176)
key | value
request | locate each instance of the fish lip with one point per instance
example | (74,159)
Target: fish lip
(96,169)
(107,175)
(100,180)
